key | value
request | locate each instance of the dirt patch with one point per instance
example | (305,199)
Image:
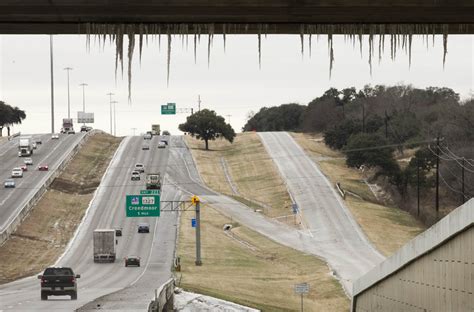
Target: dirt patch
(245,267)
(386,226)
(254,175)
(43,235)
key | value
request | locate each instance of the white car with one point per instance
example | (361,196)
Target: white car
(135,176)
(145,147)
(17,173)
(147,136)
(33,145)
(161,144)
(9,183)
(28,161)
(140,167)
(55,136)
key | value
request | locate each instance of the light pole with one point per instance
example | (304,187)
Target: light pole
(133,129)
(68,94)
(52,81)
(115,120)
(83,85)
(110,104)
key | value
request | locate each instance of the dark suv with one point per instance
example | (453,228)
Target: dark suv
(143,228)
(58,282)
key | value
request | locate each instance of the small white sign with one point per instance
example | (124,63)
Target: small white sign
(302,288)
(148,200)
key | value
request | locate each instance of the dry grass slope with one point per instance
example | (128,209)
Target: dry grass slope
(249,167)
(44,234)
(388,228)
(249,269)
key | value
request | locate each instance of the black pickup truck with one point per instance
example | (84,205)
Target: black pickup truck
(58,282)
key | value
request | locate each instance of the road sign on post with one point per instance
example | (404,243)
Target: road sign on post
(142,205)
(168,109)
(302,289)
(193,223)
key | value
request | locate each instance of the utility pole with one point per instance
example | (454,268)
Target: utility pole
(83,85)
(199,103)
(115,120)
(133,129)
(386,125)
(198,233)
(67,69)
(228,116)
(437,177)
(418,186)
(462,179)
(52,81)
(110,104)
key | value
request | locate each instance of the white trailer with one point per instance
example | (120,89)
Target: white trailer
(104,245)
(25,146)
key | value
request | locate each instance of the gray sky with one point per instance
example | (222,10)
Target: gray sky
(232,85)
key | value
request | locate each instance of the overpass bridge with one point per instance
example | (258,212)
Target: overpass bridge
(240,16)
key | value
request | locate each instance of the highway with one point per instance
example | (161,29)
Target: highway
(330,223)
(50,152)
(107,210)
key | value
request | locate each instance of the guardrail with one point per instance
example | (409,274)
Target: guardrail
(164,298)
(25,210)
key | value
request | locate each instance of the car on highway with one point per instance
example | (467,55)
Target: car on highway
(38,141)
(161,144)
(34,145)
(17,173)
(9,183)
(43,167)
(147,136)
(86,129)
(28,161)
(132,260)
(24,168)
(118,231)
(165,141)
(139,167)
(165,132)
(55,136)
(145,147)
(135,175)
(59,281)
(143,228)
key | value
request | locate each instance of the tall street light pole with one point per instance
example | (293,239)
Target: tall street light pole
(115,120)
(52,81)
(83,85)
(68,94)
(110,104)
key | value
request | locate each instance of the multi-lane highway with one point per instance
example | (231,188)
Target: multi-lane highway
(107,210)
(50,152)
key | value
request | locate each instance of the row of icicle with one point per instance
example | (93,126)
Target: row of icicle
(400,35)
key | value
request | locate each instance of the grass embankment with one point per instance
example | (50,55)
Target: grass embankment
(388,228)
(250,169)
(43,235)
(249,269)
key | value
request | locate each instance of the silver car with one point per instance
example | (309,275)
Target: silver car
(140,167)
(9,183)
(17,173)
(28,161)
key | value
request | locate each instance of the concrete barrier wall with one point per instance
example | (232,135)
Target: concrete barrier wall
(433,272)
(25,210)
(164,298)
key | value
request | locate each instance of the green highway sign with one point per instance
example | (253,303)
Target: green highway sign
(142,206)
(150,192)
(168,109)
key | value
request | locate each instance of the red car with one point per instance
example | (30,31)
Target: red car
(43,168)
(24,168)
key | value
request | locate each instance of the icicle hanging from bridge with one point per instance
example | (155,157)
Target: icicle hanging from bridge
(401,37)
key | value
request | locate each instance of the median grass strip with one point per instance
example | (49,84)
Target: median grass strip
(43,235)
(249,168)
(388,228)
(245,267)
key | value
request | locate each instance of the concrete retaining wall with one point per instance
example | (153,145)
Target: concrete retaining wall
(433,272)
(25,210)
(164,298)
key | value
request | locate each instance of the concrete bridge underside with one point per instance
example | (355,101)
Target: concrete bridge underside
(283,16)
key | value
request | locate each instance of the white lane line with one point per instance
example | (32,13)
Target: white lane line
(149,256)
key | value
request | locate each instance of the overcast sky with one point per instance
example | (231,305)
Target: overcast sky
(232,85)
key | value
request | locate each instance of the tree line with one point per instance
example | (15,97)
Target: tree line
(10,116)
(374,124)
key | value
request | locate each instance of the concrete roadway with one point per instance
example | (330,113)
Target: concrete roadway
(107,210)
(330,224)
(50,152)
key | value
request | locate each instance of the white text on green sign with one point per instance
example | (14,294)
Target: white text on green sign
(142,206)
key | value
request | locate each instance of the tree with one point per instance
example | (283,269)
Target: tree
(285,117)
(338,136)
(10,115)
(207,125)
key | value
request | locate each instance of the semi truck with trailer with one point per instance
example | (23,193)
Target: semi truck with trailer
(25,146)
(104,245)
(68,127)
(153,181)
